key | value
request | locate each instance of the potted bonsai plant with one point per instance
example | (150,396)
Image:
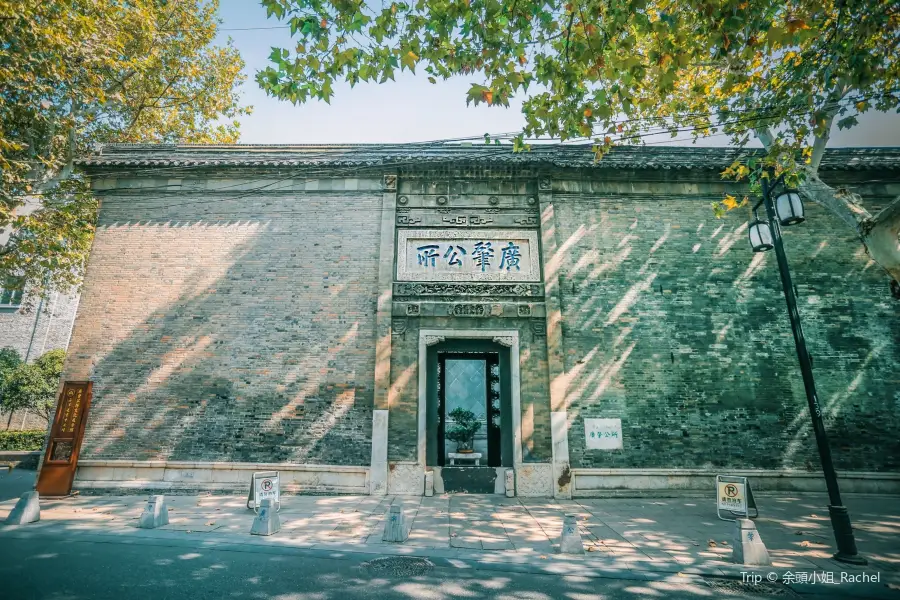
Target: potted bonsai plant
(464,429)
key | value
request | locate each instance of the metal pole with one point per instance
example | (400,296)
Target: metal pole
(840,518)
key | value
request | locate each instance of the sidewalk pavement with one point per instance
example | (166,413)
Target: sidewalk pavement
(636,538)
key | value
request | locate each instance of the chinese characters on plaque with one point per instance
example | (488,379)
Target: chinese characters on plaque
(603,434)
(454,255)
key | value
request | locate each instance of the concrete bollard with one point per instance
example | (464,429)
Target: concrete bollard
(510,483)
(156,513)
(748,548)
(27,510)
(266,521)
(429,483)
(570,542)
(395,525)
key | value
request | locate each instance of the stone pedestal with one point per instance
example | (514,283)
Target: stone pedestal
(395,525)
(266,521)
(156,513)
(27,510)
(570,542)
(429,483)
(748,548)
(455,456)
(510,477)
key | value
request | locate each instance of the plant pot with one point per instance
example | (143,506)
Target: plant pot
(465,450)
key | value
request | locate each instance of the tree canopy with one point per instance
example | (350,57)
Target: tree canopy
(615,71)
(76,73)
(32,386)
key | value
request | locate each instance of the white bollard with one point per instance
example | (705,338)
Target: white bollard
(570,542)
(156,513)
(510,483)
(748,548)
(395,525)
(429,483)
(27,510)
(266,521)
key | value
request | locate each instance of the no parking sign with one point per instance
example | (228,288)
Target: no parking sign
(263,485)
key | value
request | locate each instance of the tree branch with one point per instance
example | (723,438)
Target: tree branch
(842,203)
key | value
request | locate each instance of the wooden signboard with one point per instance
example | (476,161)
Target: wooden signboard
(61,458)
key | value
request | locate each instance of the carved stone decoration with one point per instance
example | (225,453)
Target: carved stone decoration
(431,340)
(390,183)
(524,310)
(492,211)
(527,221)
(493,200)
(413,310)
(468,289)
(467,310)
(442,200)
(408,220)
(531,201)
(505,340)
(539,327)
(403,200)
(544,184)
(445,211)
(402,210)
(398,327)
(496,310)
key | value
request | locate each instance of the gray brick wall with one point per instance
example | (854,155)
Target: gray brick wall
(231,327)
(46,326)
(672,324)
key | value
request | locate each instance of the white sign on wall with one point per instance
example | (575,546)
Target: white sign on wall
(603,434)
(468,255)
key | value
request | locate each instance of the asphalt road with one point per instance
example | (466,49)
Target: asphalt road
(56,568)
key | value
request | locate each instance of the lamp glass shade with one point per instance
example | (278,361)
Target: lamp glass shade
(760,236)
(789,208)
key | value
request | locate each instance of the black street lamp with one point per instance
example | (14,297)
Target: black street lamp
(787,209)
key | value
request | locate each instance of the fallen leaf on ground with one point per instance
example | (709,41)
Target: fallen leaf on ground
(798,533)
(814,516)
(544,557)
(211,523)
(711,543)
(804,543)
(724,543)
(592,549)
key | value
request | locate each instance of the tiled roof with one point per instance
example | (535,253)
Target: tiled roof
(556,155)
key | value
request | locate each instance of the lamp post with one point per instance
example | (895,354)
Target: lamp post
(787,209)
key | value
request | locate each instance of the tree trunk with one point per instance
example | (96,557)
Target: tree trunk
(879,234)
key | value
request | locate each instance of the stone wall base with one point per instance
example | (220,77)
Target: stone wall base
(587,483)
(124,475)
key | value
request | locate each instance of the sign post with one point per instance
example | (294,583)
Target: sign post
(264,485)
(733,496)
(61,457)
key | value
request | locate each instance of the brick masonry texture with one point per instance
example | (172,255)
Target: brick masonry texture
(229,323)
(231,327)
(672,324)
(44,327)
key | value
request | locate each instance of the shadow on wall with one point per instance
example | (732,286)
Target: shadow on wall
(674,326)
(223,339)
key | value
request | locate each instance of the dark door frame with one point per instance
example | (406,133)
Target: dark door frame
(468,347)
(494,432)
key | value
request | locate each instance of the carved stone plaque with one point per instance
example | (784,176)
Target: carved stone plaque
(465,255)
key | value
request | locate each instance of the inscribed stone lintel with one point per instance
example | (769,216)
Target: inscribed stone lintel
(468,255)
